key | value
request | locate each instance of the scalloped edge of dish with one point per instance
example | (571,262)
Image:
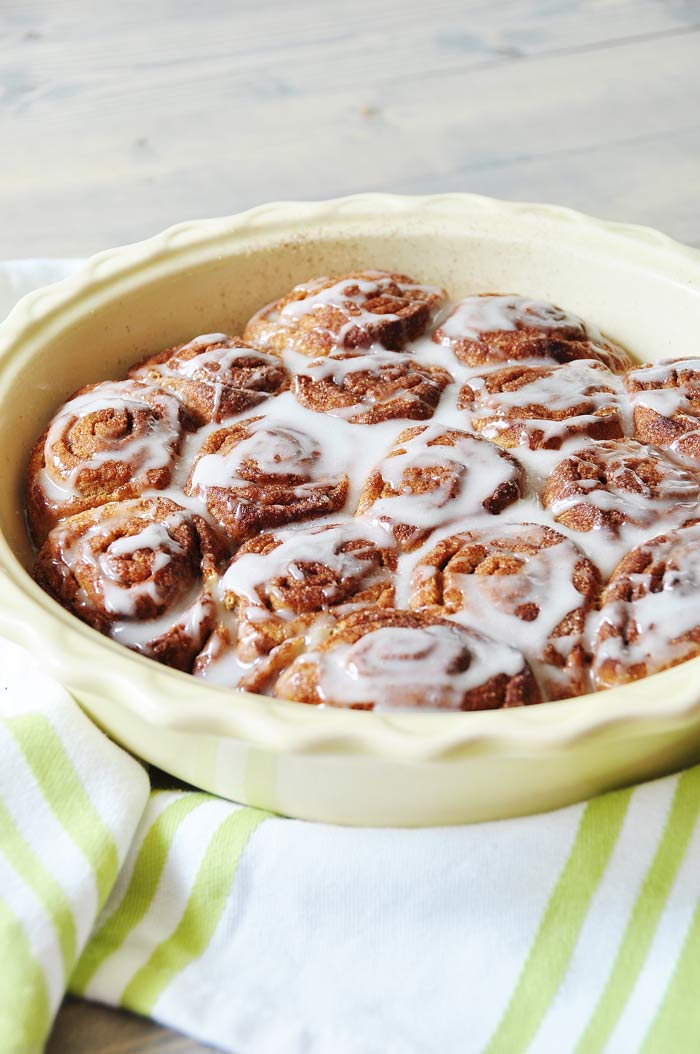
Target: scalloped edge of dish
(170,700)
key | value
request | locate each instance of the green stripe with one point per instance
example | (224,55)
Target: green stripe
(140,892)
(201,915)
(25,1015)
(676,1027)
(45,887)
(646,913)
(66,796)
(549,956)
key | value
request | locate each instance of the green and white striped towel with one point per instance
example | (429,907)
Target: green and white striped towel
(576,932)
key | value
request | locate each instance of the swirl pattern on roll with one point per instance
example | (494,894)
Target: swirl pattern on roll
(650,609)
(494,328)
(286,589)
(367,389)
(612,484)
(214,375)
(141,572)
(544,406)
(385,659)
(524,583)
(263,472)
(110,442)
(329,315)
(434,476)
(665,399)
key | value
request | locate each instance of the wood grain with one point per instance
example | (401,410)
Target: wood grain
(83,1028)
(119,119)
(122,119)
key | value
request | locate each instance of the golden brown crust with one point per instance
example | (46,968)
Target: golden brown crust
(259,474)
(388,658)
(371,388)
(497,328)
(650,609)
(355,310)
(619,482)
(422,483)
(214,376)
(542,406)
(283,585)
(666,404)
(527,582)
(109,442)
(140,571)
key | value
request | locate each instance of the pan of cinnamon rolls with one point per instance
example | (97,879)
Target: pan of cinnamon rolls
(377,498)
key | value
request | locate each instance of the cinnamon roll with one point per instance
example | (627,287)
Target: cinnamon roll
(286,588)
(434,476)
(141,572)
(261,473)
(385,659)
(521,582)
(215,376)
(665,400)
(220,661)
(619,482)
(542,406)
(497,328)
(327,315)
(650,610)
(366,389)
(110,442)
(250,509)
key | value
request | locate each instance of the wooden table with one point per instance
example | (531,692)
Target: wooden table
(119,119)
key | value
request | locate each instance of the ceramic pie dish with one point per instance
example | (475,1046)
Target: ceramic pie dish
(341,766)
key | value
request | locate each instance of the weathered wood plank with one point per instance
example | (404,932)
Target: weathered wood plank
(323,41)
(87,1028)
(95,168)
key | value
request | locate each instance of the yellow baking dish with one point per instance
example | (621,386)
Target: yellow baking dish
(337,765)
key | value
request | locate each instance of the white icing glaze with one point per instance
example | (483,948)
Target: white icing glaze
(559,389)
(145,451)
(275,450)
(545,579)
(391,662)
(120,596)
(190,614)
(670,402)
(474,469)
(496,313)
(657,374)
(214,365)
(662,615)
(219,663)
(250,575)
(351,292)
(642,505)
(384,364)
(344,449)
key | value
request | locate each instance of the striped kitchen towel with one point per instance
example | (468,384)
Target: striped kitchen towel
(575,932)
